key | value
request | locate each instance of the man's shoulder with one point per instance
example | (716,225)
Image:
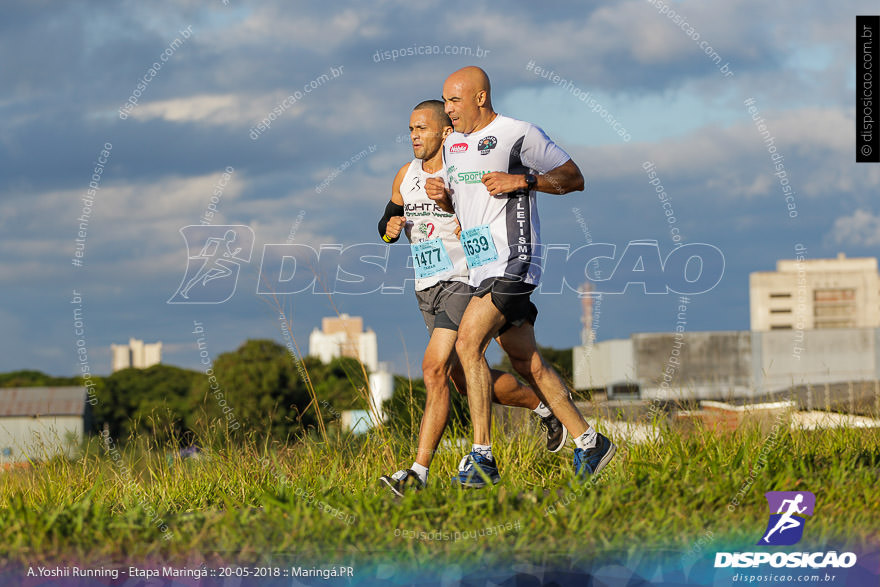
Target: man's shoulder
(403,171)
(515,123)
(506,129)
(453,137)
(407,167)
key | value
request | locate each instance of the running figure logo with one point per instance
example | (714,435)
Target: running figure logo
(214,258)
(787,511)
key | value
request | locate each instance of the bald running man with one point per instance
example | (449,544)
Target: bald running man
(493,168)
(443,294)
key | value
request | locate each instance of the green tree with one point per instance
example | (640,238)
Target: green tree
(341,384)
(31,378)
(153,401)
(260,387)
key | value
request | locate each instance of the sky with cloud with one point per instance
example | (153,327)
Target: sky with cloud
(320,173)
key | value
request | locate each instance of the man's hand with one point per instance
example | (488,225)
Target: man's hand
(436,190)
(395,225)
(457,229)
(498,182)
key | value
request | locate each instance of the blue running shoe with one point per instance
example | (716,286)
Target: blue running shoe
(591,461)
(475,471)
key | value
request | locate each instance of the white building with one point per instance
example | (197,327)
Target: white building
(37,423)
(136,354)
(727,364)
(381,390)
(608,365)
(813,322)
(345,337)
(806,294)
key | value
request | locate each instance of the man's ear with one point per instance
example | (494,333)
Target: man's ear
(481,98)
(447,130)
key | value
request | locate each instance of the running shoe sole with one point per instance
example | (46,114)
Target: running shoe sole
(612,450)
(389,483)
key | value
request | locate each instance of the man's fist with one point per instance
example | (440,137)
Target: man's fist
(394,226)
(435,188)
(498,182)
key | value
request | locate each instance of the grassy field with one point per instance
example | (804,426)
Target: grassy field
(252,502)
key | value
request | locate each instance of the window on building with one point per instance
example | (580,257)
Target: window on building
(780,311)
(834,295)
(780,327)
(834,308)
(780,295)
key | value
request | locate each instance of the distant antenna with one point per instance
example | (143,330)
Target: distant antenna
(585,293)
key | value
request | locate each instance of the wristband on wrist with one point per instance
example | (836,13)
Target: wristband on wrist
(385,238)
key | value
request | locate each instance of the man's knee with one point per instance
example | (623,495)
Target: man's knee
(433,372)
(467,347)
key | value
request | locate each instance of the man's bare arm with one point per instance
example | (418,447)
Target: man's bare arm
(560,180)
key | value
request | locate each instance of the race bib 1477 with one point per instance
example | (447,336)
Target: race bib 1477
(430,258)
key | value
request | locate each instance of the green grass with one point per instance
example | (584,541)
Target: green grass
(258,501)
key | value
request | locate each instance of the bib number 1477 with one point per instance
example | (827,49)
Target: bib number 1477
(430,258)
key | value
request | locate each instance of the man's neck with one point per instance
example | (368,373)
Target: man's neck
(434,163)
(484,120)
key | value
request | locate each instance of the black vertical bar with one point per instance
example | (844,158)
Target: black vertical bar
(867,88)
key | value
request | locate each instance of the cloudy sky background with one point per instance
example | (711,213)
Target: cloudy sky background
(67,70)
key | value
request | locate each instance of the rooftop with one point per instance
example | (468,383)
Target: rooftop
(42,401)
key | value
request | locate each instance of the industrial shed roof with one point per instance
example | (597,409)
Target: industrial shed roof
(42,401)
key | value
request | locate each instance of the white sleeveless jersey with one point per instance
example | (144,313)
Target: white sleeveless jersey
(425,220)
(511,220)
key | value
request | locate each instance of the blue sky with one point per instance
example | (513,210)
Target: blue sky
(67,70)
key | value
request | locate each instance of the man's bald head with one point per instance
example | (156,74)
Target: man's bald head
(468,98)
(473,77)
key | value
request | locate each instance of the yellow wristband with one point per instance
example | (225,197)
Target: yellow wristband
(385,238)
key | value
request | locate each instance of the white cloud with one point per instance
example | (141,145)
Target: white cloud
(322,34)
(861,228)
(734,162)
(220,109)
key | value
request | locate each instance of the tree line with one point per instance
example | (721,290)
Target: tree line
(260,387)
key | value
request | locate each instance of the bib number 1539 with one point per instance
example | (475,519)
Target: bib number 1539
(479,248)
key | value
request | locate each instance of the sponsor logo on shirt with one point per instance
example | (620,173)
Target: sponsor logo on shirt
(424,209)
(486,144)
(471,176)
(458,148)
(450,171)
